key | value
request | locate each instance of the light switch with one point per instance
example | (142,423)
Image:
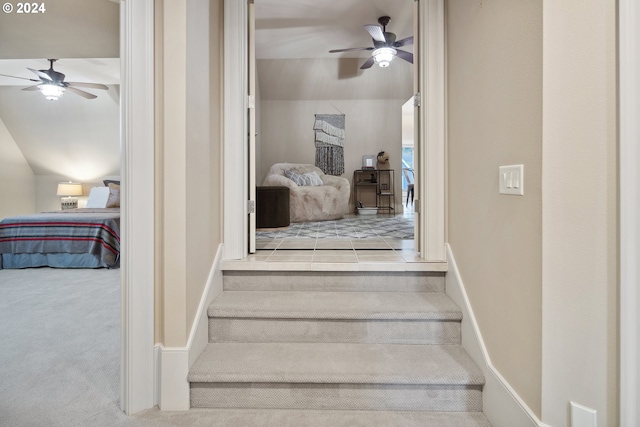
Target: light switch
(511,180)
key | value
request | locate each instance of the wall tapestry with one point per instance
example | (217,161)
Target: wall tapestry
(329,129)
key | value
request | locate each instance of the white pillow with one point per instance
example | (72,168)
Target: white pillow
(306,179)
(114,196)
(98,197)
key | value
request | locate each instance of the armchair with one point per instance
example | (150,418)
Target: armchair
(308,202)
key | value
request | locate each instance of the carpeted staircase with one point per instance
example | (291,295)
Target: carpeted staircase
(332,346)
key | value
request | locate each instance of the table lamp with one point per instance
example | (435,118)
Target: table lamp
(68,190)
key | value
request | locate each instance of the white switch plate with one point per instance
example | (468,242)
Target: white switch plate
(511,180)
(581,416)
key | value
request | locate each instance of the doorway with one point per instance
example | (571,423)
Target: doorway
(332,83)
(430,184)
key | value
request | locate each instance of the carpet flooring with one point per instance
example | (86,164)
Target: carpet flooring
(357,227)
(60,363)
(60,358)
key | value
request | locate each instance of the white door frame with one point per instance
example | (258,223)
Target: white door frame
(431,173)
(629,206)
(137,379)
(432,182)
(235,188)
(251,133)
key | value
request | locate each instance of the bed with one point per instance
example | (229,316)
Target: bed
(72,238)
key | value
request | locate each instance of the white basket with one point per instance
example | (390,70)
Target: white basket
(367,211)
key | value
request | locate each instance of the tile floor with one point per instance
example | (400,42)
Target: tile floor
(349,227)
(349,242)
(335,250)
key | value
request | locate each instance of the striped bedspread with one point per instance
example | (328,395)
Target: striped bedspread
(73,231)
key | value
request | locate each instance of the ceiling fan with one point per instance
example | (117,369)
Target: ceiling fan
(385,47)
(52,85)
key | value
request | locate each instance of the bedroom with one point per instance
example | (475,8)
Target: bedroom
(75,139)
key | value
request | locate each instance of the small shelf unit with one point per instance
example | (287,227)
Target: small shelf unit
(375,189)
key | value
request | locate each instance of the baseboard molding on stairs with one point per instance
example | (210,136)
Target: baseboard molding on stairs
(172,370)
(503,407)
(173,363)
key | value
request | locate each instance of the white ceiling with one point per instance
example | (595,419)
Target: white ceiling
(288,29)
(294,37)
(67,29)
(86,30)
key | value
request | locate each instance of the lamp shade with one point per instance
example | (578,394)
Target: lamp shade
(69,189)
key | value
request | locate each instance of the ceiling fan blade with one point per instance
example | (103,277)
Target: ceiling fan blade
(405,55)
(376,32)
(368,63)
(36,87)
(16,77)
(350,49)
(88,85)
(404,42)
(43,76)
(81,93)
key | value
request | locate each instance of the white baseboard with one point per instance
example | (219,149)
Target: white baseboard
(503,407)
(156,373)
(199,336)
(174,387)
(173,363)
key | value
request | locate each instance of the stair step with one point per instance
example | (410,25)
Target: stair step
(357,317)
(335,363)
(346,281)
(336,376)
(318,418)
(335,305)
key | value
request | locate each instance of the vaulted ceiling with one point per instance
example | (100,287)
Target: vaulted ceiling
(288,29)
(294,37)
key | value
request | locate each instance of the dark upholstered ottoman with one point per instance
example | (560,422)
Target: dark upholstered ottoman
(272,207)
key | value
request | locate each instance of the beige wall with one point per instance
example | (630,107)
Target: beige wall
(17,192)
(371,125)
(580,357)
(331,79)
(188,157)
(495,118)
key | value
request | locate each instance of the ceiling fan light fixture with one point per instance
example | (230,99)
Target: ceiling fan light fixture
(51,91)
(383,56)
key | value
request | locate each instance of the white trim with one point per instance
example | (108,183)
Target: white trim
(629,110)
(432,162)
(156,370)
(235,197)
(199,336)
(173,363)
(137,226)
(172,371)
(502,405)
